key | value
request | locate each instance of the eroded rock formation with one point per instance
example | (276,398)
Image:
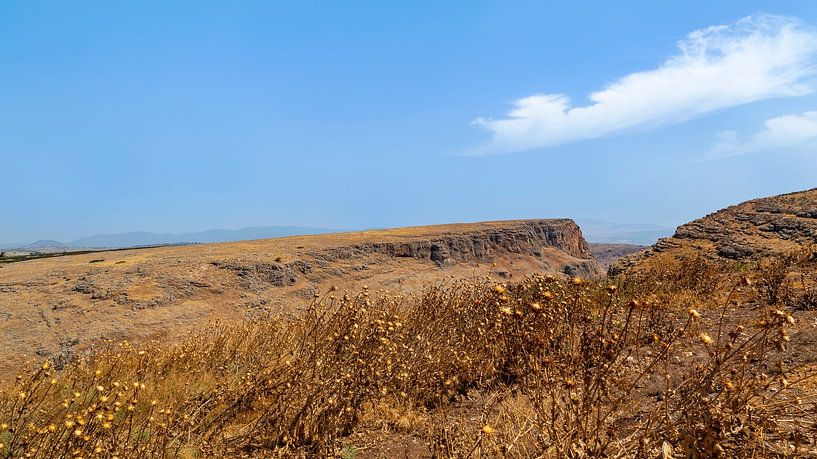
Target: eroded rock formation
(760,227)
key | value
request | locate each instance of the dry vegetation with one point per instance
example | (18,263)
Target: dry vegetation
(689,361)
(65,305)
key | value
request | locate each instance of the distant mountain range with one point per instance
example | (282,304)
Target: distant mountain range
(144,238)
(34,246)
(603,232)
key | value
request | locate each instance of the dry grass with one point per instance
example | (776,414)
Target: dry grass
(562,368)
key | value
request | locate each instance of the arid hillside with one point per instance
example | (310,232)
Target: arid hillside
(699,357)
(59,307)
(757,228)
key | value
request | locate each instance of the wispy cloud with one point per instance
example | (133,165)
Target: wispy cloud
(783,132)
(756,58)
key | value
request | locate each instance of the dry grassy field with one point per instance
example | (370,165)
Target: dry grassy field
(61,307)
(697,357)
(682,363)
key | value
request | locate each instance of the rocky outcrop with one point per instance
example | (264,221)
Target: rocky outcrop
(756,228)
(526,237)
(544,240)
(277,274)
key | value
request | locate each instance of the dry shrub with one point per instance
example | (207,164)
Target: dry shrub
(772,278)
(584,395)
(699,275)
(565,369)
(789,279)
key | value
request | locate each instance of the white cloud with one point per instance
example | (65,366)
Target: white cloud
(778,133)
(756,58)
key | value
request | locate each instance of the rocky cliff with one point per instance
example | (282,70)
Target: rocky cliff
(557,244)
(772,225)
(450,246)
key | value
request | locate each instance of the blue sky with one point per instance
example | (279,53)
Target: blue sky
(184,116)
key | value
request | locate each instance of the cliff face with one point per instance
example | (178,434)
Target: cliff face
(527,237)
(557,244)
(760,227)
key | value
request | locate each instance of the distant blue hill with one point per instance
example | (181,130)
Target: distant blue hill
(140,238)
(143,238)
(34,246)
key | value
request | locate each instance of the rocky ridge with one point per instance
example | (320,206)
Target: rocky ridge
(528,237)
(756,228)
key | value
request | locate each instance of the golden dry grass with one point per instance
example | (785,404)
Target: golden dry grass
(558,368)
